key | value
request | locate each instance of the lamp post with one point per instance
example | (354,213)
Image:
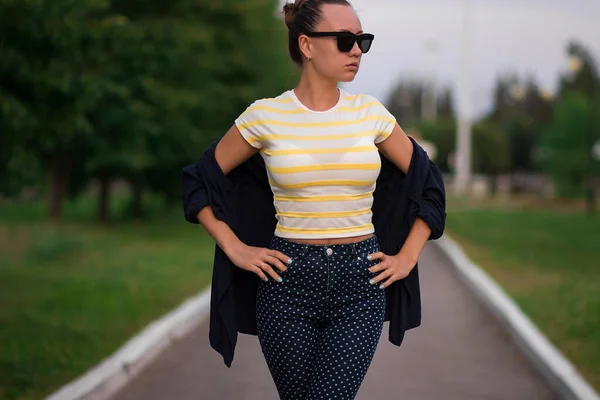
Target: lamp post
(428,90)
(463,137)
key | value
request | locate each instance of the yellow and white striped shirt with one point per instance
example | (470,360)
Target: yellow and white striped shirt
(322,165)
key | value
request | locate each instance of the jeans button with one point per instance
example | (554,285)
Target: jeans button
(329,251)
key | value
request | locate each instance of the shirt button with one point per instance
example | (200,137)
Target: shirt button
(329,251)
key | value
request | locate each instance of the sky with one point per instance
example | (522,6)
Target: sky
(422,38)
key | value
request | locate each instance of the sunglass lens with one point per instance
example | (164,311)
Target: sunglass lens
(364,43)
(346,42)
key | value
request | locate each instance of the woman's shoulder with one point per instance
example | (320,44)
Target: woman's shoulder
(363,100)
(269,103)
(261,111)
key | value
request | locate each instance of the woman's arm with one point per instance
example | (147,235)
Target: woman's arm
(231,151)
(398,148)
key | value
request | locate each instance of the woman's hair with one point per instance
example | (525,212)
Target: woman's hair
(303,16)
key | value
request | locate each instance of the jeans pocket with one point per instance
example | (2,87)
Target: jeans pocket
(366,262)
(297,259)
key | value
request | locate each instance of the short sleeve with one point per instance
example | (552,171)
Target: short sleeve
(249,125)
(384,121)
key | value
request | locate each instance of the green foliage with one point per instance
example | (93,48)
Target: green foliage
(523,134)
(566,143)
(522,112)
(490,145)
(407,99)
(442,133)
(491,149)
(131,89)
(50,77)
(585,78)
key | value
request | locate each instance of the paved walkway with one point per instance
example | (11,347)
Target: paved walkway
(459,352)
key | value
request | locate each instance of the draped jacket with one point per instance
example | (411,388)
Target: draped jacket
(243,199)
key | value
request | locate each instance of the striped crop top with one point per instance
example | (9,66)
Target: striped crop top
(322,165)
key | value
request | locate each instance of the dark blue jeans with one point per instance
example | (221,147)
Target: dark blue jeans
(319,328)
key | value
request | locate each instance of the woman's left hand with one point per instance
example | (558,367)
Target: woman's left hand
(390,268)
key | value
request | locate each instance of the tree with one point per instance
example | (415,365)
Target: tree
(405,103)
(521,110)
(583,75)
(445,104)
(100,89)
(51,76)
(565,144)
(442,134)
(579,93)
(491,149)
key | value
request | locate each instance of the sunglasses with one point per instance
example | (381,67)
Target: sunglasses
(346,40)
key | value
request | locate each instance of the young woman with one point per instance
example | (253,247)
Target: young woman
(320,302)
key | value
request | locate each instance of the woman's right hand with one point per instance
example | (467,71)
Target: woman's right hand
(259,260)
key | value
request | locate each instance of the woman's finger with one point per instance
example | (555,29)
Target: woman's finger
(274,261)
(379,266)
(376,256)
(387,282)
(383,275)
(280,256)
(259,272)
(268,269)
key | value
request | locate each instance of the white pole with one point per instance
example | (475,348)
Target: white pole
(463,138)
(428,96)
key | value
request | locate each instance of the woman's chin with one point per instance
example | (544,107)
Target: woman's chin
(347,76)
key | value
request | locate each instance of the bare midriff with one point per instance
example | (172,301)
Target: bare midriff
(326,242)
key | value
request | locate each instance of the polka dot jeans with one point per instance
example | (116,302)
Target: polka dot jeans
(318,329)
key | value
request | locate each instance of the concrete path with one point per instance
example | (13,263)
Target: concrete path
(459,352)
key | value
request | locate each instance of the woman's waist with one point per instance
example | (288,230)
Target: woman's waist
(356,245)
(331,241)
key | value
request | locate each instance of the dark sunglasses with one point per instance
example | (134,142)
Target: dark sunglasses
(346,40)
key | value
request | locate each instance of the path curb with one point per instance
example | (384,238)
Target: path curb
(552,364)
(114,372)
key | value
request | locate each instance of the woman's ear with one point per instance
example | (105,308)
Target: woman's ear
(305,45)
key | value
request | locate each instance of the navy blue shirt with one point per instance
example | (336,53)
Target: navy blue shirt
(243,199)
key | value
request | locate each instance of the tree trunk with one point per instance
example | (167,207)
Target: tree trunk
(59,169)
(104,198)
(137,193)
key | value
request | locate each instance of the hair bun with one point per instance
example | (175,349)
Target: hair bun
(290,10)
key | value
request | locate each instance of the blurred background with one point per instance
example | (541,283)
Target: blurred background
(102,102)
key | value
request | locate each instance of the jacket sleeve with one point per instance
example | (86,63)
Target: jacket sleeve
(193,193)
(427,191)
(432,208)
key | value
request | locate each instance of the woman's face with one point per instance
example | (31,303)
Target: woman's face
(325,56)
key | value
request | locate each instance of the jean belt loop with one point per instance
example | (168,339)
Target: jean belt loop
(354,252)
(304,250)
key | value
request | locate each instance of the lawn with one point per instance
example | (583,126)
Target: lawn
(72,293)
(548,260)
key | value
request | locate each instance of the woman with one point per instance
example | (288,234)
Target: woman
(320,302)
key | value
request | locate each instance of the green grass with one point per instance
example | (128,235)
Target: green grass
(72,293)
(549,262)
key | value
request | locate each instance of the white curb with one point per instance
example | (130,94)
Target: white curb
(558,371)
(114,372)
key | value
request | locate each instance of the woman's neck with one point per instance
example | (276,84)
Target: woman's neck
(317,93)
